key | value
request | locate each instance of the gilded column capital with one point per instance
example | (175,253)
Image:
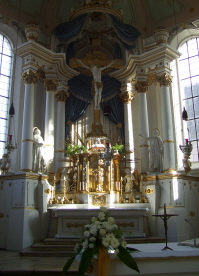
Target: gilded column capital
(62,96)
(126,97)
(165,79)
(29,77)
(141,86)
(50,85)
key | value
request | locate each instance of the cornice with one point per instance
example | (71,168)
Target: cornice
(23,176)
(170,176)
(146,60)
(46,57)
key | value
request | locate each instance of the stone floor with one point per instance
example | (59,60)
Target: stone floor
(11,263)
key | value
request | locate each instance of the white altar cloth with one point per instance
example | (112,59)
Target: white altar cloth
(151,260)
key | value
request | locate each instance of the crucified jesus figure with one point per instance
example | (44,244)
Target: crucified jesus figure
(98,85)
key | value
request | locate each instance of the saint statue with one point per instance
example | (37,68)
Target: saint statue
(39,164)
(98,85)
(128,180)
(156,151)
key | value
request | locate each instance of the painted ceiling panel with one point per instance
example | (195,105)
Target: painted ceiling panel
(145,15)
(31,7)
(163,9)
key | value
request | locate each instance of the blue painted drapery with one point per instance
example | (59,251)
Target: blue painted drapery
(80,86)
(117,113)
(74,110)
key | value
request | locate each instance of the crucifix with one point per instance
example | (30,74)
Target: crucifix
(96,61)
(165,217)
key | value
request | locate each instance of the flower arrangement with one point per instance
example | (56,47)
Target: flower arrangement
(102,232)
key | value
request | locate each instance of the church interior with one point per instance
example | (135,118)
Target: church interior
(99,107)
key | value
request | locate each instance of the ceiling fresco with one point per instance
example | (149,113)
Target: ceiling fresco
(145,15)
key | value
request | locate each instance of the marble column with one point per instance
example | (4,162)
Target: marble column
(50,85)
(30,78)
(127,97)
(167,125)
(141,87)
(61,95)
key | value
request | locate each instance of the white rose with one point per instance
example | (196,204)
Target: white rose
(91,245)
(93,231)
(97,222)
(103,209)
(106,242)
(87,233)
(101,216)
(87,226)
(92,239)
(111,219)
(114,243)
(85,244)
(93,219)
(102,232)
(111,236)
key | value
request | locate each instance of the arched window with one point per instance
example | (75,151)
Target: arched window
(189,83)
(5,81)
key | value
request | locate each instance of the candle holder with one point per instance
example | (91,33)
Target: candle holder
(186,149)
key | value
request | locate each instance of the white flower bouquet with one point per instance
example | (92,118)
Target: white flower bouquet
(101,232)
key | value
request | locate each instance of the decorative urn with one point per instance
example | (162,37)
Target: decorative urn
(161,36)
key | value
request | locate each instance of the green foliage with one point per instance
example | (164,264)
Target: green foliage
(71,150)
(127,259)
(120,148)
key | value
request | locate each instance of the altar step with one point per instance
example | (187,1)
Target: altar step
(52,247)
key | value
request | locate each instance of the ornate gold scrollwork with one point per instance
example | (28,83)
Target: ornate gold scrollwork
(149,191)
(126,97)
(192,214)
(62,96)
(75,225)
(99,200)
(165,79)
(141,86)
(29,77)
(47,191)
(2,215)
(125,224)
(50,85)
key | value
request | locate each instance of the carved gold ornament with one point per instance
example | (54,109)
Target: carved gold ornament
(99,200)
(149,191)
(141,86)
(2,215)
(168,141)
(152,78)
(47,191)
(165,79)
(125,224)
(192,214)
(126,97)
(29,77)
(50,85)
(75,225)
(62,96)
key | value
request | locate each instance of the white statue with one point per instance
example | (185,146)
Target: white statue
(156,151)
(39,164)
(98,85)
(128,180)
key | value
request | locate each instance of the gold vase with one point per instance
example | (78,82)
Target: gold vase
(103,262)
